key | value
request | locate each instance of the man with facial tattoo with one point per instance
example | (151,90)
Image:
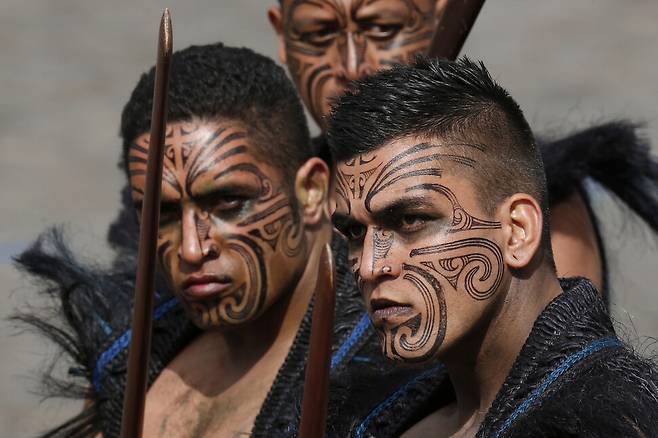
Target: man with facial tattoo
(244,216)
(441,193)
(328,43)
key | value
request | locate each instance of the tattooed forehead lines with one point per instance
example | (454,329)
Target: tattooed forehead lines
(194,151)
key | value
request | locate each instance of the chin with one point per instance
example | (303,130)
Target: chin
(417,351)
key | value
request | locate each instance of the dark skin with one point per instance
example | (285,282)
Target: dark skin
(327,43)
(440,276)
(240,246)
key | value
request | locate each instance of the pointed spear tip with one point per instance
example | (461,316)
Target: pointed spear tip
(166,33)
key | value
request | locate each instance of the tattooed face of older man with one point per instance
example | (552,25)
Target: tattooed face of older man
(230,238)
(425,253)
(328,43)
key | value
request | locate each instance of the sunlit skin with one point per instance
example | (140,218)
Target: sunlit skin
(436,270)
(327,43)
(240,247)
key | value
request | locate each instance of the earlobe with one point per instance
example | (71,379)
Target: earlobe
(312,190)
(276,20)
(522,222)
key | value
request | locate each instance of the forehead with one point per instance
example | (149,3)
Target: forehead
(404,167)
(200,153)
(196,133)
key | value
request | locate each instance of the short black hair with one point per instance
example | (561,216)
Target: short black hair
(455,100)
(215,81)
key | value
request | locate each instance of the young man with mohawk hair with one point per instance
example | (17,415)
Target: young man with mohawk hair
(441,193)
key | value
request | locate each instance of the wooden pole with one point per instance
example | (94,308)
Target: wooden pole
(140,346)
(316,383)
(453,28)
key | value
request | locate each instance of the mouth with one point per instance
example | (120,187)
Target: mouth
(198,287)
(384,310)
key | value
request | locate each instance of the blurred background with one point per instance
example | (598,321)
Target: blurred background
(67,68)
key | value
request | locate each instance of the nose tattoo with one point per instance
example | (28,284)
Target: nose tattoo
(202,228)
(203,232)
(381,245)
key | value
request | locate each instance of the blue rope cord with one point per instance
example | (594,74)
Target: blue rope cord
(568,363)
(392,399)
(122,343)
(352,339)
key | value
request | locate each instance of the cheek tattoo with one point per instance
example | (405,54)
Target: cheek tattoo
(273,223)
(471,265)
(244,301)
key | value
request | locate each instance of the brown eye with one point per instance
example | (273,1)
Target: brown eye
(381,31)
(355,232)
(412,222)
(229,204)
(320,37)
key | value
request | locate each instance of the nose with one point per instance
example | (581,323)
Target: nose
(196,243)
(353,64)
(377,260)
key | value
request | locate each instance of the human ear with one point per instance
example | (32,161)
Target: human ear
(312,190)
(522,224)
(275,16)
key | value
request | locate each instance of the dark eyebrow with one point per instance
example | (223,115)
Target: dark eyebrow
(383,214)
(227,190)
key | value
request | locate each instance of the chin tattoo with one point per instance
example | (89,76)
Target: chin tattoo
(469,264)
(272,224)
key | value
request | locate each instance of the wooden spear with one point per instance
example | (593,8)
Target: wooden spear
(453,28)
(316,383)
(140,347)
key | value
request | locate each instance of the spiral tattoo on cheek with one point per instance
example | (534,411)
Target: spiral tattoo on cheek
(243,302)
(414,340)
(474,265)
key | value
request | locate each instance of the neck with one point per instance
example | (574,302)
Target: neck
(479,366)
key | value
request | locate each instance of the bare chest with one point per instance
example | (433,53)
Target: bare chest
(176,408)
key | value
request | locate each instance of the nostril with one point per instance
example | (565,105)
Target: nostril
(211,250)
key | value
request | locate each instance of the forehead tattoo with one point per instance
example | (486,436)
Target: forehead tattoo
(472,264)
(199,151)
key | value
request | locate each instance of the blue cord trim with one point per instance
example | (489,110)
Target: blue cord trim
(392,399)
(352,339)
(568,363)
(122,343)
(104,325)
